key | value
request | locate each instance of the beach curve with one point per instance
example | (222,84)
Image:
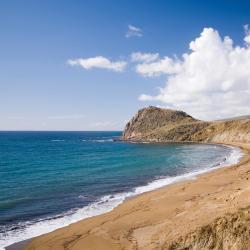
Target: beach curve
(112,229)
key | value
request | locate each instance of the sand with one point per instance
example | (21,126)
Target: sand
(156,219)
(18,245)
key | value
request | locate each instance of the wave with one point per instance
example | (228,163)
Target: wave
(30,229)
(99,140)
(84,140)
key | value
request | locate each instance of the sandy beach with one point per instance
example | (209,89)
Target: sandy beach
(166,218)
(125,125)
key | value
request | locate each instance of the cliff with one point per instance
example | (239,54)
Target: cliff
(154,124)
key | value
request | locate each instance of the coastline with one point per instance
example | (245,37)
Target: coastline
(18,245)
(134,200)
(108,202)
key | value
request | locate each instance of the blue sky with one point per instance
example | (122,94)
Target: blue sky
(40,90)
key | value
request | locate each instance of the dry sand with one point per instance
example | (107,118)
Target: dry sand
(156,219)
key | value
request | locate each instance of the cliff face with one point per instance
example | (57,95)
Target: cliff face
(163,125)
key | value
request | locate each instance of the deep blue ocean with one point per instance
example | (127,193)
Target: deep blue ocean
(51,179)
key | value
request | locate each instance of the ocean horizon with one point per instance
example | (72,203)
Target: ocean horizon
(50,179)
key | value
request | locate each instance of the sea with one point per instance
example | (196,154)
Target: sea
(51,179)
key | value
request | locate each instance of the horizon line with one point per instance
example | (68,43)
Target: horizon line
(61,130)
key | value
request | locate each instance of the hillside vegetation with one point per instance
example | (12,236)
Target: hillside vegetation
(154,124)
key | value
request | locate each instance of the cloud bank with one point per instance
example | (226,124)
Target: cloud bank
(210,81)
(98,62)
(133,32)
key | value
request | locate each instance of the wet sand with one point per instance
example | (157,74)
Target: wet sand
(18,246)
(155,219)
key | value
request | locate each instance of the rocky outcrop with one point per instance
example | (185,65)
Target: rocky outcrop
(154,124)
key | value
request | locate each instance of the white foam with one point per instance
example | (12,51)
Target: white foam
(103,140)
(105,204)
(234,157)
(100,140)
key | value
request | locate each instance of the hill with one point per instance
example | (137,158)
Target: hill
(154,124)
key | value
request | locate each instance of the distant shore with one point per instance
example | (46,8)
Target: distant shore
(160,217)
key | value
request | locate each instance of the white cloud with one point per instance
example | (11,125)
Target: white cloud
(162,66)
(66,117)
(144,57)
(212,80)
(133,31)
(247,33)
(98,62)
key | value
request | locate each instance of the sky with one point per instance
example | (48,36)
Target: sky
(90,65)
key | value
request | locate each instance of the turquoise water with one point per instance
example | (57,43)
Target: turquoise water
(51,179)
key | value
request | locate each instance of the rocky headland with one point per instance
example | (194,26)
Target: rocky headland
(154,124)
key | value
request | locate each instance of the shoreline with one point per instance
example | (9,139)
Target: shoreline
(18,245)
(181,180)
